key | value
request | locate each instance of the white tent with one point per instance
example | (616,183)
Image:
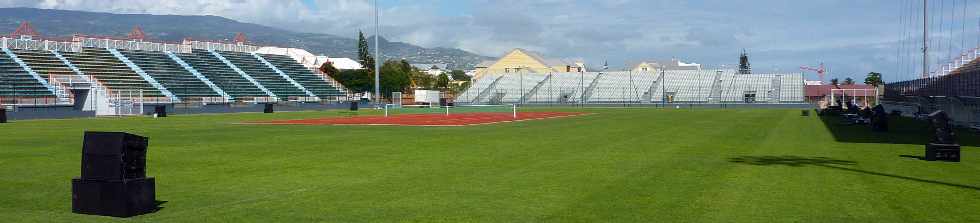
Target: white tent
(309,60)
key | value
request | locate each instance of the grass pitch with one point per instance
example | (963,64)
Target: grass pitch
(618,165)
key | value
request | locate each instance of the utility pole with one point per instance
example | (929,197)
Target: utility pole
(377,55)
(925,39)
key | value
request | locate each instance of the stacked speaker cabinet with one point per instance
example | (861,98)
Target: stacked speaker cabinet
(113,181)
(160,110)
(268,108)
(3,115)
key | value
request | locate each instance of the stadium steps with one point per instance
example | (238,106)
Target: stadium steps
(170,74)
(534,90)
(649,95)
(266,76)
(588,91)
(48,66)
(187,67)
(149,79)
(316,83)
(776,86)
(222,75)
(15,81)
(487,91)
(110,72)
(283,75)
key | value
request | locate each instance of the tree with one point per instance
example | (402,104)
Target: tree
(459,75)
(355,80)
(422,80)
(394,77)
(364,52)
(848,81)
(834,82)
(873,79)
(442,82)
(328,69)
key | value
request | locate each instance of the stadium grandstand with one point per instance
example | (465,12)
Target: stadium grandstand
(102,74)
(954,88)
(627,87)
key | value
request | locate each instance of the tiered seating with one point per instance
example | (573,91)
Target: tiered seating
(222,75)
(16,82)
(312,82)
(686,85)
(170,74)
(617,87)
(264,75)
(513,87)
(760,84)
(705,86)
(477,86)
(43,62)
(110,71)
(569,85)
(791,89)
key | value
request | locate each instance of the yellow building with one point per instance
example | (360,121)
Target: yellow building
(524,61)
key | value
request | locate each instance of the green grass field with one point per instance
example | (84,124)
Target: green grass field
(617,165)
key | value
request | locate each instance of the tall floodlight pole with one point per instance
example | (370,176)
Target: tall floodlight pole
(377,55)
(925,39)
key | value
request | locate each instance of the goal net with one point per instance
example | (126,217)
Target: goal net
(506,109)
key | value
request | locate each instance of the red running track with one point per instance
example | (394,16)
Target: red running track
(462,119)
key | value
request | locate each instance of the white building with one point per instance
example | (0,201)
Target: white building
(431,69)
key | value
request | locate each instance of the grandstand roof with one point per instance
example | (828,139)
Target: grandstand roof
(824,90)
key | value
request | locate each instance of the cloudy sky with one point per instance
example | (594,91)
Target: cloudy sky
(852,37)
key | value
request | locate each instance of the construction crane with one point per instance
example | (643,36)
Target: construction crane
(820,70)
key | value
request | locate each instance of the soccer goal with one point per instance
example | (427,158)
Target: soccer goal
(506,109)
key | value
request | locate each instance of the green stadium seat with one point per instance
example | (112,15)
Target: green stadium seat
(17,82)
(171,75)
(110,71)
(312,82)
(264,75)
(221,75)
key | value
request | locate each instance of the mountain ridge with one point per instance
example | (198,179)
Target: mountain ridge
(174,28)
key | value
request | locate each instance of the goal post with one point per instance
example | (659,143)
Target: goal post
(510,110)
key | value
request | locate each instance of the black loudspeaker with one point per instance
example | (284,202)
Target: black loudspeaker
(268,108)
(113,156)
(160,110)
(353,106)
(3,115)
(943,152)
(120,198)
(113,181)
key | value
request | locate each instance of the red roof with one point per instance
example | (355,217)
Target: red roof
(824,90)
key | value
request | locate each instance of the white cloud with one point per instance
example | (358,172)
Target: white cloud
(781,34)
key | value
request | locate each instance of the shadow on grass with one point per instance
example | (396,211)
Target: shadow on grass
(158,206)
(901,130)
(797,161)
